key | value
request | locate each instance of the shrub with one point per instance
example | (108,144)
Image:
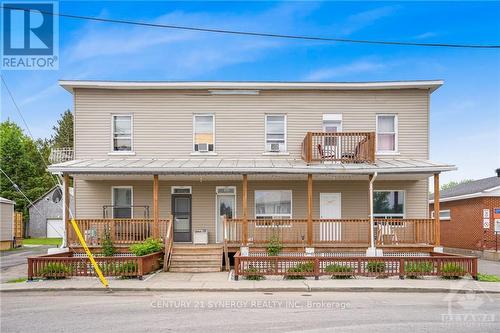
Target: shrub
(336,268)
(274,246)
(254,274)
(412,268)
(55,268)
(452,271)
(488,278)
(117,268)
(147,247)
(108,249)
(304,267)
(375,267)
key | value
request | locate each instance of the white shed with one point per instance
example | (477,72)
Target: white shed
(6,223)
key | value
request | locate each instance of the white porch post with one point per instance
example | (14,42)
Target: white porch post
(372,250)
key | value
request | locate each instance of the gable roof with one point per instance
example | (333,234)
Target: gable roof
(47,193)
(475,188)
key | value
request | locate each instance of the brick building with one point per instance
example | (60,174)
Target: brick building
(467,215)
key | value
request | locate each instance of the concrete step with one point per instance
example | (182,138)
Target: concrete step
(197,257)
(194,269)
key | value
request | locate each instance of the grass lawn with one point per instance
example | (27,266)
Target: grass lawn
(22,279)
(488,278)
(42,241)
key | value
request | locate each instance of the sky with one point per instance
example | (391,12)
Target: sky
(465,112)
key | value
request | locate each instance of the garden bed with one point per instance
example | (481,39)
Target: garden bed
(61,265)
(298,265)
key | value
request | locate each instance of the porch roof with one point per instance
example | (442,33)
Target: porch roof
(148,166)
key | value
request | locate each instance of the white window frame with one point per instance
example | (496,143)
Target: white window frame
(383,216)
(131,188)
(122,152)
(194,152)
(274,216)
(396,134)
(443,218)
(285,144)
(173,188)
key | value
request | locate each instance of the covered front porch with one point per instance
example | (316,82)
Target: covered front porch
(329,212)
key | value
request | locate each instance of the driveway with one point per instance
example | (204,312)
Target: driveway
(13,264)
(488,267)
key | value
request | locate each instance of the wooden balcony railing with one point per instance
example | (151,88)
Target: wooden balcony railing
(122,231)
(343,147)
(347,232)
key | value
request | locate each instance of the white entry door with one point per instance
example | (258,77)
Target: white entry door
(330,208)
(226,206)
(55,228)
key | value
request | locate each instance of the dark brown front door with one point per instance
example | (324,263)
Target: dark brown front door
(181,212)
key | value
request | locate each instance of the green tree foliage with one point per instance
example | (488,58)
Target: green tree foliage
(21,161)
(63,137)
(452,183)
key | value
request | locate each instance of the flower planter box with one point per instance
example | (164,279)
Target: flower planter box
(63,265)
(298,264)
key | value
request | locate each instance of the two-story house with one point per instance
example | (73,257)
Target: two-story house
(338,166)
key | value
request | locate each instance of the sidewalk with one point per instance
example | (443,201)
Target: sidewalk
(220,282)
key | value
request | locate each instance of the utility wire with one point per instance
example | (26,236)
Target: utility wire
(258,34)
(56,182)
(18,189)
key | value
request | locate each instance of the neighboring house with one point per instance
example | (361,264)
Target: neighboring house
(6,223)
(467,214)
(293,159)
(46,214)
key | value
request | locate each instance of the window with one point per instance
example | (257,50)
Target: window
(181,190)
(203,133)
(444,215)
(387,133)
(275,133)
(388,204)
(122,197)
(274,204)
(122,133)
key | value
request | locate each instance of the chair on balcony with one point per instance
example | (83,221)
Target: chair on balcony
(323,156)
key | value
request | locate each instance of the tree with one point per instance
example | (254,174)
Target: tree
(63,137)
(453,183)
(21,161)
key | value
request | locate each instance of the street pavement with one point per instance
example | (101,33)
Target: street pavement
(13,264)
(72,311)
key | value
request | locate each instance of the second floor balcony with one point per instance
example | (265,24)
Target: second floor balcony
(339,147)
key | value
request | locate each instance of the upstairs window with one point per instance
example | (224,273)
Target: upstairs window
(388,204)
(122,133)
(203,136)
(275,133)
(387,133)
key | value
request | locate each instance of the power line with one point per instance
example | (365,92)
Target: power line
(27,127)
(18,189)
(259,34)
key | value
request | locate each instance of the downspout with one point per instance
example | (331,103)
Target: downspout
(372,225)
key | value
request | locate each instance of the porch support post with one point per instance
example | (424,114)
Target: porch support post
(372,250)
(66,208)
(309,209)
(156,230)
(245,210)
(437,223)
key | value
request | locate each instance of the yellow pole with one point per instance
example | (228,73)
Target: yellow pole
(89,254)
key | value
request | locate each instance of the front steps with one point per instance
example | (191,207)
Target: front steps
(189,258)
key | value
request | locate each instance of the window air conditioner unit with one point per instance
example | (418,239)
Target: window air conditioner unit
(203,147)
(200,236)
(275,147)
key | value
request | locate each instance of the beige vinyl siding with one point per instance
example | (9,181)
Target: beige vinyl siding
(163,119)
(93,194)
(7,221)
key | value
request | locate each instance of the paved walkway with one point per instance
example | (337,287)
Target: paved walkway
(220,282)
(13,263)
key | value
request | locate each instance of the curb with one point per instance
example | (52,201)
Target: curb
(266,289)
